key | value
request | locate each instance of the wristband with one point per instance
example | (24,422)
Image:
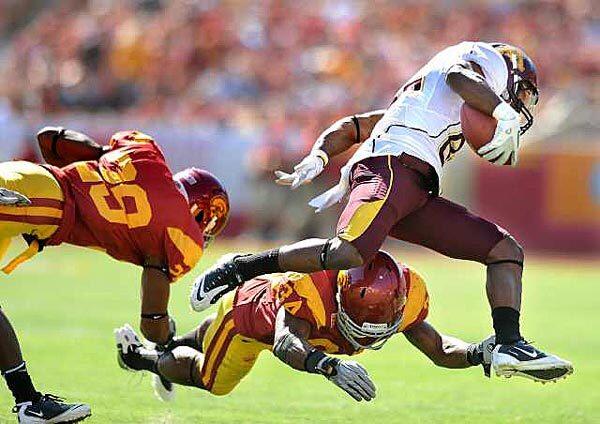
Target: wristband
(314,362)
(322,155)
(504,112)
(155,317)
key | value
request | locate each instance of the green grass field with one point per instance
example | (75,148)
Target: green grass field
(66,302)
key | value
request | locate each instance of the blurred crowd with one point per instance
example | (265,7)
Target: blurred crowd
(285,67)
(283,64)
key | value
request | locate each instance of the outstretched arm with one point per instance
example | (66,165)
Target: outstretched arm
(60,146)
(346,132)
(336,139)
(155,323)
(292,347)
(446,351)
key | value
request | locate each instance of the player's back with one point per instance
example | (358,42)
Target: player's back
(127,205)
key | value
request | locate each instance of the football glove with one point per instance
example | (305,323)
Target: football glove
(505,144)
(13,198)
(481,354)
(130,349)
(351,377)
(307,170)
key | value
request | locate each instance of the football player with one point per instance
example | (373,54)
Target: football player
(393,180)
(121,199)
(302,319)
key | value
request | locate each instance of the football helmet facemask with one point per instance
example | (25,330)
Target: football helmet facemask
(209,203)
(521,89)
(370,302)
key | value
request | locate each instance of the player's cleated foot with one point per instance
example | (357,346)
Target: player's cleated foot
(524,360)
(163,388)
(50,409)
(215,282)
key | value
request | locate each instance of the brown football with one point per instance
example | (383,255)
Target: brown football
(477,127)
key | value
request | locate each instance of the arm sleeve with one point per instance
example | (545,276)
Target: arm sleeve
(492,63)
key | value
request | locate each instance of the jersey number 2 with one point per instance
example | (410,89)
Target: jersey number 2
(103,192)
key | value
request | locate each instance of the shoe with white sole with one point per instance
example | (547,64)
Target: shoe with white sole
(524,360)
(215,282)
(50,409)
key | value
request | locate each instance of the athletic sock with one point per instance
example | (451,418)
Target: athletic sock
(20,384)
(251,266)
(506,325)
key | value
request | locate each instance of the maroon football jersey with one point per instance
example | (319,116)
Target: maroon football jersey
(127,205)
(311,297)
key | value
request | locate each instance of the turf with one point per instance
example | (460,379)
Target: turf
(66,302)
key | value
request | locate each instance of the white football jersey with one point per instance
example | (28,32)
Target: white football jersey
(424,118)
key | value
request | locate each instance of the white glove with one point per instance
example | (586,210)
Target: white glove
(506,138)
(351,377)
(308,169)
(334,194)
(13,198)
(130,348)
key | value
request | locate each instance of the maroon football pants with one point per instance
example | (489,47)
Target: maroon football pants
(389,197)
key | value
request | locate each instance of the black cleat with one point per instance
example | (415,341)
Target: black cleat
(51,409)
(215,283)
(524,360)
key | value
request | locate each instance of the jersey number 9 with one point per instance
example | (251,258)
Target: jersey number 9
(115,186)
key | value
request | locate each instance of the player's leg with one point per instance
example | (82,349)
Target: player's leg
(12,365)
(383,191)
(31,405)
(227,356)
(452,230)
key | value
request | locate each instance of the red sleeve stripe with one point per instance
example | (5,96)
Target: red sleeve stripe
(35,220)
(47,203)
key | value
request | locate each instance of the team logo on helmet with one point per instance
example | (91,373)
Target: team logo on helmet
(209,204)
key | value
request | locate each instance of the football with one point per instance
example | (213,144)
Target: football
(477,127)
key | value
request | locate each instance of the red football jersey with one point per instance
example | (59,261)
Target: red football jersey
(127,205)
(311,298)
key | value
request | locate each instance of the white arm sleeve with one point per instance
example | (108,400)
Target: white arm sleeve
(492,63)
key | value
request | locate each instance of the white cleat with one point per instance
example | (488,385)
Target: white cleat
(524,360)
(50,409)
(215,282)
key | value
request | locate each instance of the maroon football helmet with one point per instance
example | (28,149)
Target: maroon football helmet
(209,203)
(522,86)
(371,300)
